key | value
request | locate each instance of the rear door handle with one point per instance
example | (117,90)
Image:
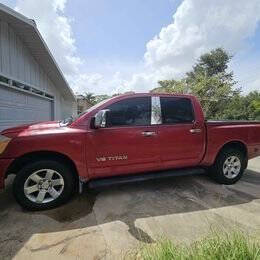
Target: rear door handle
(195,130)
(149,133)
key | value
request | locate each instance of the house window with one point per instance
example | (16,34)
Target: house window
(25,87)
(3,79)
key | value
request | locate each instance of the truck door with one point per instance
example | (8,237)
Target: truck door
(129,142)
(180,136)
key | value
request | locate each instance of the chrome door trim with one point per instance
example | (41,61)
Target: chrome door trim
(195,130)
(149,133)
(156,115)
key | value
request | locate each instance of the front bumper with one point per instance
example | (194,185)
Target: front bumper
(4,164)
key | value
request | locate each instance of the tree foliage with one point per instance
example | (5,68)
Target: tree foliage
(172,86)
(214,86)
(90,97)
(99,98)
(212,63)
(94,99)
(243,107)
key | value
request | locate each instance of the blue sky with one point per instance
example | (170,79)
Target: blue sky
(115,46)
(117,29)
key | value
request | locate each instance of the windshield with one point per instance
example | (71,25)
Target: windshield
(71,119)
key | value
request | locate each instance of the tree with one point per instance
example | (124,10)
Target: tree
(243,107)
(209,80)
(90,97)
(171,86)
(255,105)
(94,99)
(99,98)
(212,63)
(213,92)
(212,83)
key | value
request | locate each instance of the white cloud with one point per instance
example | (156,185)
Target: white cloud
(200,25)
(56,30)
(197,26)
(148,79)
(255,85)
(59,4)
(85,82)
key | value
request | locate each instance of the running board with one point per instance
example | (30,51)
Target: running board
(102,182)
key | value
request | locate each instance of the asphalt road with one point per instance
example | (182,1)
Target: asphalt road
(106,224)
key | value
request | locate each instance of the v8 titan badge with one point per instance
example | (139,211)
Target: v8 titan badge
(112,158)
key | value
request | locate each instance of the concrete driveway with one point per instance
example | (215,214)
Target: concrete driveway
(107,224)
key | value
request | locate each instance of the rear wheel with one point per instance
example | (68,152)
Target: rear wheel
(43,185)
(229,166)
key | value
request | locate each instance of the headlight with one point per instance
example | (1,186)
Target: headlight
(3,142)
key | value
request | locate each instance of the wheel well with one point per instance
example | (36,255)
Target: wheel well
(20,162)
(236,145)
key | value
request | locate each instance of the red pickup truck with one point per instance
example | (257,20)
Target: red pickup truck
(126,138)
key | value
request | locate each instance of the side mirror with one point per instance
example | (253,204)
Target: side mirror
(100,119)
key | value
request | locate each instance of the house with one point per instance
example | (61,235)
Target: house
(32,87)
(82,103)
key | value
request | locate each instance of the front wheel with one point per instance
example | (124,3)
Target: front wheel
(229,166)
(43,185)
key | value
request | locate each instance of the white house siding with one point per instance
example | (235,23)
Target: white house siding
(17,63)
(66,107)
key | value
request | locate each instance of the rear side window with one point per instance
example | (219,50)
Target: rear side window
(130,112)
(176,110)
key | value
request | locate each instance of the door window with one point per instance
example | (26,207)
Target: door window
(176,110)
(130,112)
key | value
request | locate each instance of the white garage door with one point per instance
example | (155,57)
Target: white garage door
(17,107)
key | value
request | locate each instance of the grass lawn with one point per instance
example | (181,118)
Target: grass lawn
(220,246)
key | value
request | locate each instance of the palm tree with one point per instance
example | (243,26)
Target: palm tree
(90,97)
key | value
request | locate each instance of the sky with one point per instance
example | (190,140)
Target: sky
(114,46)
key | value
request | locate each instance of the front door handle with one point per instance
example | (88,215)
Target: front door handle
(148,133)
(195,130)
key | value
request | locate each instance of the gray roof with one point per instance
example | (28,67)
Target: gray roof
(27,31)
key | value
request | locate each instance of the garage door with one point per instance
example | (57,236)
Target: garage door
(17,107)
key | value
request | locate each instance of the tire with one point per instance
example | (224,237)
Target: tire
(43,185)
(229,166)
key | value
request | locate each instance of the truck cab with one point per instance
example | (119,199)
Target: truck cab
(145,133)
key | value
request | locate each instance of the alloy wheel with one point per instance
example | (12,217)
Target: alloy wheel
(44,186)
(232,167)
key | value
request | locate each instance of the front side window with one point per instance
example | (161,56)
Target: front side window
(176,110)
(130,112)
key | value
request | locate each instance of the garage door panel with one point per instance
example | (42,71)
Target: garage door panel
(10,113)
(38,102)
(8,123)
(19,113)
(17,107)
(11,95)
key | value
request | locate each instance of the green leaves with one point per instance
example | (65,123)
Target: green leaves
(214,86)
(90,98)
(231,245)
(243,107)
(94,99)
(172,86)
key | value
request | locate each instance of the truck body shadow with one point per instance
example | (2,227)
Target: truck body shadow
(125,203)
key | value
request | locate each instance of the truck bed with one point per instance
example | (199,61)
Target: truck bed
(221,132)
(232,122)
